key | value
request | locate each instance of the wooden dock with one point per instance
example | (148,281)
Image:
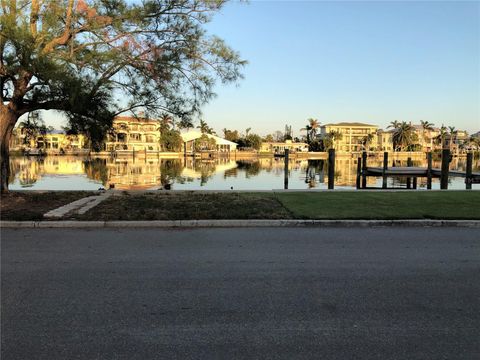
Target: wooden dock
(412,173)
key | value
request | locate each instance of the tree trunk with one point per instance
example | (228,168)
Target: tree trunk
(8,118)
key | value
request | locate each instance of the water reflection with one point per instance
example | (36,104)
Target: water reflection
(66,172)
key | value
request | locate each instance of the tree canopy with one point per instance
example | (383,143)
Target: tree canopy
(94,59)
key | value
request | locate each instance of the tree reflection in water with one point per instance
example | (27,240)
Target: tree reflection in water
(170,172)
(96,169)
(206,168)
(251,168)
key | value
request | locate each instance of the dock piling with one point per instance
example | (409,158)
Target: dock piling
(409,180)
(331,169)
(364,169)
(384,171)
(429,170)
(468,172)
(285,172)
(445,169)
(359,172)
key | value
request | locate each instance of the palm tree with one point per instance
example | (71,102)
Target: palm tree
(440,138)
(366,140)
(203,127)
(32,127)
(314,125)
(335,136)
(308,129)
(453,135)
(403,136)
(311,128)
(247,131)
(164,122)
(474,142)
(185,124)
(427,127)
(394,124)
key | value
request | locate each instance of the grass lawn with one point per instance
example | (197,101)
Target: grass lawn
(188,205)
(383,205)
(31,205)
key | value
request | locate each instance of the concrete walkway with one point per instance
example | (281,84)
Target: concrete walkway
(80,206)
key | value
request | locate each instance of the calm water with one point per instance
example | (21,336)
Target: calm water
(76,173)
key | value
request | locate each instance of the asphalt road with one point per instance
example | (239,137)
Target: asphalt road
(284,293)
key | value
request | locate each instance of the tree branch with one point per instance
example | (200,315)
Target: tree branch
(63,39)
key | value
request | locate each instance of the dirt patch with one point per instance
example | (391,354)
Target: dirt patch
(24,205)
(188,206)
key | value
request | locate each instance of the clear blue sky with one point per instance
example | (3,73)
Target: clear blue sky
(361,61)
(371,62)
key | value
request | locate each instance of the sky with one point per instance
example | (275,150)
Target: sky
(372,62)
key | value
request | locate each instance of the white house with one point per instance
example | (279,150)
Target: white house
(223,145)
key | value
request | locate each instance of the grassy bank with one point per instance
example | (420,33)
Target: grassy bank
(186,205)
(383,205)
(31,205)
(290,205)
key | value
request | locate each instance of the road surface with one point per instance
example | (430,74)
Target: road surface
(257,293)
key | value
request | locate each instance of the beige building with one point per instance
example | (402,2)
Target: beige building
(52,143)
(353,135)
(133,133)
(384,140)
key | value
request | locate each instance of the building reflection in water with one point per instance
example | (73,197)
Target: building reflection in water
(153,173)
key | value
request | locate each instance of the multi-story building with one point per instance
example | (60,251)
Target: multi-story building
(426,139)
(52,143)
(457,141)
(353,136)
(133,133)
(385,140)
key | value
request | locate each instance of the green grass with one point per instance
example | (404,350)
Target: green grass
(383,205)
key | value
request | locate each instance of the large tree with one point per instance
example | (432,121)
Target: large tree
(94,59)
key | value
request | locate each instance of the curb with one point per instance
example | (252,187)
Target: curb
(241,223)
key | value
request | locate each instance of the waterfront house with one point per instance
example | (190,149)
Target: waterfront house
(385,140)
(133,134)
(353,135)
(221,145)
(55,142)
(279,147)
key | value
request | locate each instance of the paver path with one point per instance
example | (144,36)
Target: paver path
(80,206)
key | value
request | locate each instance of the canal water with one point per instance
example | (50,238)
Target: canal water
(78,173)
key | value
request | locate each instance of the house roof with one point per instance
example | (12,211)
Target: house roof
(195,134)
(351,124)
(134,119)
